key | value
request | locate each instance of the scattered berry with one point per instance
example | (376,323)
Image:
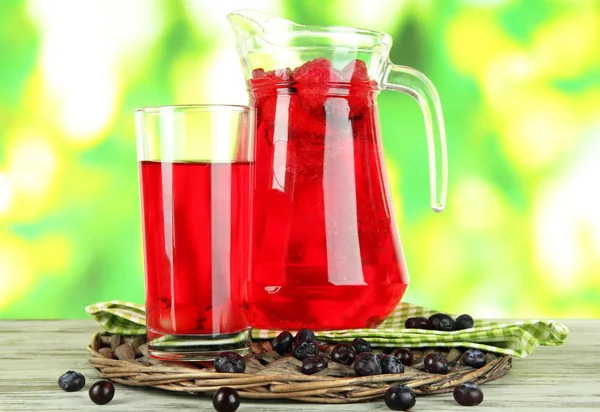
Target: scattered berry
(474,358)
(343,353)
(361,345)
(229,362)
(226,399)
(304,334)
(71,381)
(417,322)
(282,344)
(464,322)
(391,364)
(313,364)
(405,356)
(304,349)
(400,398)
(102,392)
(435,363)
(366,364)
(468,394)
(440,321)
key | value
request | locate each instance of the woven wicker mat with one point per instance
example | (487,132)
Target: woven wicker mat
(270,376)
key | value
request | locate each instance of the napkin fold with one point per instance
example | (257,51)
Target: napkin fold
(516,338)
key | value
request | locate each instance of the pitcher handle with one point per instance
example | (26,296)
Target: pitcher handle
(416,84)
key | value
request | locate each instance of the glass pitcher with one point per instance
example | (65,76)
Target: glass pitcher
(326,249)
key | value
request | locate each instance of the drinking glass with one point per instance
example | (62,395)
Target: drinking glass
(196,169)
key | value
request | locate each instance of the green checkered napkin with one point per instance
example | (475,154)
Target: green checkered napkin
(519,338)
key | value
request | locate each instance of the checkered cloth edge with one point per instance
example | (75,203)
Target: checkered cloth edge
(518,338)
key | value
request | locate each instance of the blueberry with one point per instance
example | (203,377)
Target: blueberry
(361,345)
(282,344)
(391,364)
(474,358)
(440,321)
(71,381)
(405,356)
(313,364)
(468,394)
(435,363)
(304,334)
(464,322)
(400,398)
(366,364)
(304,349)
(417,322)
(226,399)
(230,362)
(102,392)
(343,353)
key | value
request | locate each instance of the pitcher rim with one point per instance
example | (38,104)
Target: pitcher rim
(385,39)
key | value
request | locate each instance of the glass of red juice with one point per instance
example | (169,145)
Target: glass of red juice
(196,169)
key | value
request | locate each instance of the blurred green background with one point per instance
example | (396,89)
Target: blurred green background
(520,88)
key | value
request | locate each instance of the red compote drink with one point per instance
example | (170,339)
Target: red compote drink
(197,233)
(326,250)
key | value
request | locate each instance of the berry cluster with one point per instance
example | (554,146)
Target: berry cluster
(440,321)
(315,93)
(305,347)
(101,392)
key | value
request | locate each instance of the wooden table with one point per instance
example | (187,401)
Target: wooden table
(33,354)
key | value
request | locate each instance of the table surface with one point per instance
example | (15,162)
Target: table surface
(34,353)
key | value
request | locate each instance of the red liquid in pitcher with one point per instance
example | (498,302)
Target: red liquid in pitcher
(327,254)
(196,223)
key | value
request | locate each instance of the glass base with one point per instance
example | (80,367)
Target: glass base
(197,347)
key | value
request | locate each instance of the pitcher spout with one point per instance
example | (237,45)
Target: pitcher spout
(250,23)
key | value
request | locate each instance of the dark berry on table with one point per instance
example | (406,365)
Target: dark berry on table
(435,363)
(304,334)
(304,349)
(405,356)
(400,398)
(230,362)
(361,345)
(474,358)
(226,399)
(391,364)
(416,322)
(313,364)
(343,353)
(464,322)
(468,394)
(366,363)
(441,321)
(71,381)
(282,344)
(102,392)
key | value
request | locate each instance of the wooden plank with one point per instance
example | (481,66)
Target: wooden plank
(33,354)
